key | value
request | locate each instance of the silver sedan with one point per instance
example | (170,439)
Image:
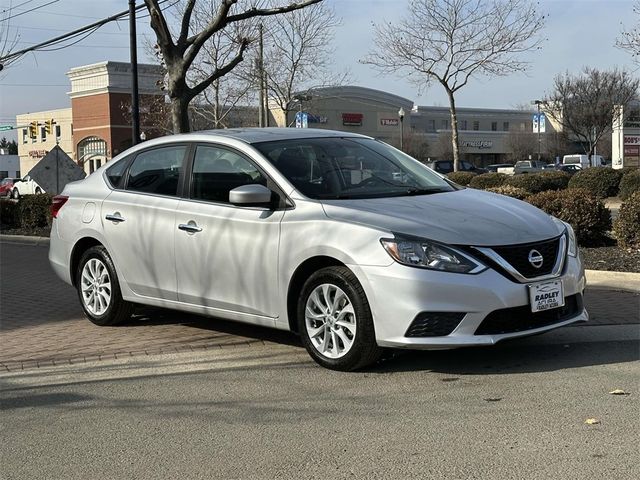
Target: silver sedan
(338,237)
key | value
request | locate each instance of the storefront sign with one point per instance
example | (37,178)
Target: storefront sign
(631,151)
(352,119)
(37,153)
(317,118)
(478,143)
(389,122)
(632,139)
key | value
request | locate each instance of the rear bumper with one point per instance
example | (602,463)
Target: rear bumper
(60,255)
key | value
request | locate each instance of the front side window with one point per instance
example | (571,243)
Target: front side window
(217,171)
(342,168)
(157,171)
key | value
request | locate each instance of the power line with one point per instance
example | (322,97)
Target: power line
(30,10)
(88,30)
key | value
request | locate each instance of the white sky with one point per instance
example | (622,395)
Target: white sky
(579,33)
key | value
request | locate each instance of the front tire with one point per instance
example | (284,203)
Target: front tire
(15,194)
(99,290)
(335,321)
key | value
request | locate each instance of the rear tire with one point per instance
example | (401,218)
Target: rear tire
(335,321)
(15,194)
(99,290)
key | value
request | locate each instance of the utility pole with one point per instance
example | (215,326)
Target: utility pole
(135,108)
(261,99)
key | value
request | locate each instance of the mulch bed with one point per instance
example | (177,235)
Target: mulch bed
(612,259)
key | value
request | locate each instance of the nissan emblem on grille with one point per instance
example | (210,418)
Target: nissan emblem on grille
(535,258)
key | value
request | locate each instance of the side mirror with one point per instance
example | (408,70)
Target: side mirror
(251,195)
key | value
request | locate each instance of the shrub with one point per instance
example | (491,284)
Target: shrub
(509,191)
(540,182)
(629,184)
(625,170)
(461,178)
(488,180)
(9,215)
(34,211)
(582,209)
(627,226)
(603,182)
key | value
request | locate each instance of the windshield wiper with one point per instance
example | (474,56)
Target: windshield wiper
(423,191)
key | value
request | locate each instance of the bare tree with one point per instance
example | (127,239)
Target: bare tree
(217,102)
(179,54)
(450,41)
(521,145)
(298,52)
(584,104)
(630,39)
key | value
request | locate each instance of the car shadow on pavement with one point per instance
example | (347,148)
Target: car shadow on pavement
(510,357)
(151,316)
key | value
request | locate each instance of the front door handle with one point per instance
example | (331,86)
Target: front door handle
(114,217)
(189,227)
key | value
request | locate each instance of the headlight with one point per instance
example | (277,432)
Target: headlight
(572,244)
(418,252)
(572,248)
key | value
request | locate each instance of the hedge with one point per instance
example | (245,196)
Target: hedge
(30,212)
(581,208)
(604,182)
(540,182)
(626,228)
(488,180)
(629,184)
(509,191)
(461,178)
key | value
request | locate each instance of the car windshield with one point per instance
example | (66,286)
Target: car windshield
(344,168)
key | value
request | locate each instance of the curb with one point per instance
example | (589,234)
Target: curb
(613,280)
(24,239)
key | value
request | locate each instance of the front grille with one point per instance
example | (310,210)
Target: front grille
(434,324)
(520,319)
(518,257)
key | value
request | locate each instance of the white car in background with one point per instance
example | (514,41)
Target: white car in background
(26,186)
(338,237)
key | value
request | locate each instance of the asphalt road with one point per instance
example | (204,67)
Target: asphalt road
(258,408)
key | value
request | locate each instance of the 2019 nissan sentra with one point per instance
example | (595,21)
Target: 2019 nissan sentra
(338,237)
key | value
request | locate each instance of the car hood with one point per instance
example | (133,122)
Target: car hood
(462,217)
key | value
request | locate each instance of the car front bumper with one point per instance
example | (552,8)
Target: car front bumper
(397,294)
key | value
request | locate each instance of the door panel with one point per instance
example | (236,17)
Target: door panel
(226,256)
(231,264)
(142,245)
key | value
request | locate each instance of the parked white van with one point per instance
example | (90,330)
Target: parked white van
(583,160)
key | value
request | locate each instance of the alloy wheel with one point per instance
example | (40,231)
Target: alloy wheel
(96,286)
(330,321)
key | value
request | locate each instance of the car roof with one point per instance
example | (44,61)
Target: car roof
(269,134)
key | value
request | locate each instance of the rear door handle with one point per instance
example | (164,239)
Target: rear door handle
(115,217)
(189,227)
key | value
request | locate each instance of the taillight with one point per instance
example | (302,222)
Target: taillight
(56,205)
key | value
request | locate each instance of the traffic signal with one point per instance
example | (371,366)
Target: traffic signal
(48,126)
(33,129)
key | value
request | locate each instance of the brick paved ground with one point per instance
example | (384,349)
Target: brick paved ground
(41,322)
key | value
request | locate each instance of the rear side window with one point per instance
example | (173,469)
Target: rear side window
(116,172)
(157,171)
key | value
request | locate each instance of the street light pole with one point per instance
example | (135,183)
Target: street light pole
(401,115)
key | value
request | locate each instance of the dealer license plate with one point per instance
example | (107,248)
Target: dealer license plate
(545,296)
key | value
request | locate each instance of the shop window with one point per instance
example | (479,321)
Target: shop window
(58,131)
(463,124)
(505,126)
(25,135)
(494,126)
(43,134)
(92,167)
(476,125)
(4,174)
(432,125)
(445,124)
